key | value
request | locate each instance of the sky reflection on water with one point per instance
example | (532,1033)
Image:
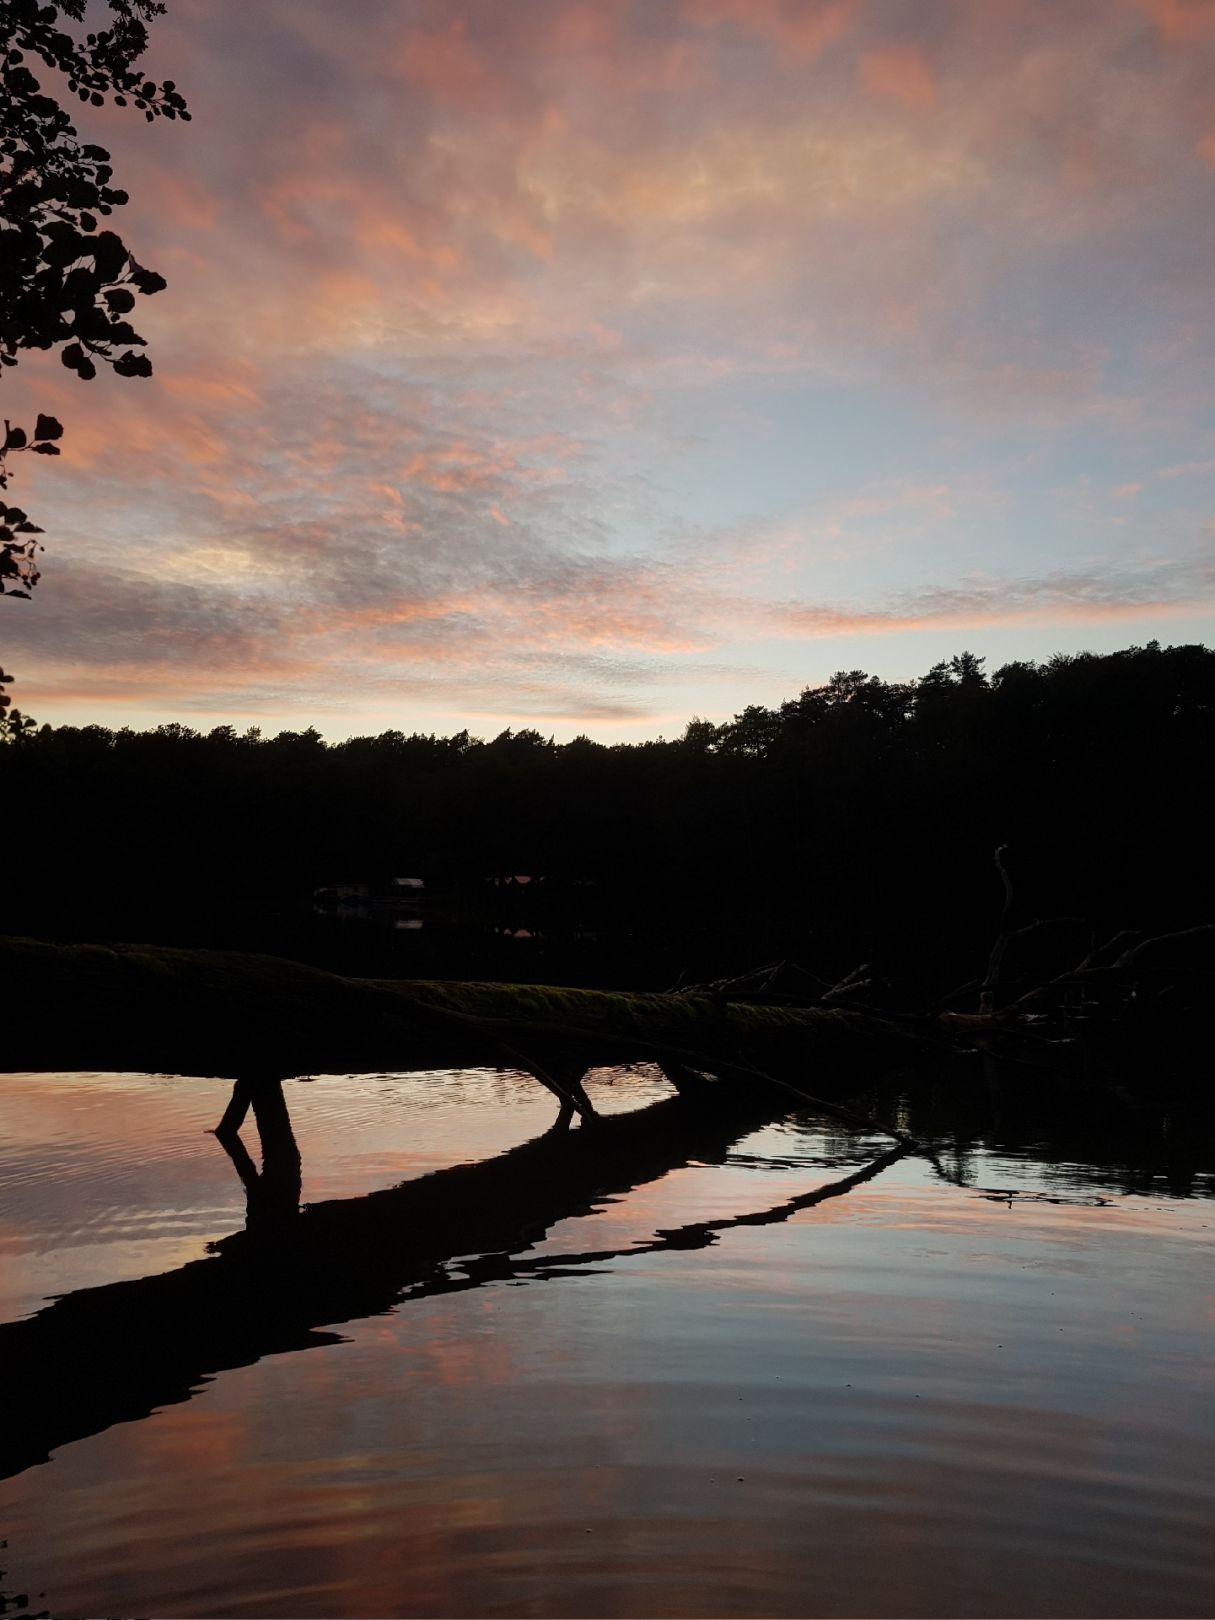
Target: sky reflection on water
(911,1399)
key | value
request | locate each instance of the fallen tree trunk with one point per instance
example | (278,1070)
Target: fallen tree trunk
(232,1015)
(223,1013)
(102,1355)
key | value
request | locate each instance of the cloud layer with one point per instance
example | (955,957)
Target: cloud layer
(591,363)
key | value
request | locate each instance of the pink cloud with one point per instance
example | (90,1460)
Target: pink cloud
(900,73)
(184,200)
(236,384)
(1132,593)
(1181,22)
(444,62)
(803,27)
(469,306)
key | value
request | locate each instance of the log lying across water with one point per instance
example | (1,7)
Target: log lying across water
(103,1355)
(224,1013)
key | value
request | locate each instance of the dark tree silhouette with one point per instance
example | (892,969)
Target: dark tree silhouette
(854,822)
(12,722)
(66,282)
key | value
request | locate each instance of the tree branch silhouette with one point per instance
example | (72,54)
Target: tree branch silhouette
(66,281)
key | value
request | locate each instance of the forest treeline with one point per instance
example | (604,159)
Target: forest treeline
(860,808)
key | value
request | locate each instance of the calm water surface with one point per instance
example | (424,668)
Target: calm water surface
(976,1387)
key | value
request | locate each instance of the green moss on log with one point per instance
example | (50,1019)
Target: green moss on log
(229,1013)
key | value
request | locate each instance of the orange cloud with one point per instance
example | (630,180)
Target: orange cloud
(900,73)
(160,422)
(233,387)
(184,200)
(456,467)
(486,265)
(827,622)
(604,610)
(1181,22)
(444,62)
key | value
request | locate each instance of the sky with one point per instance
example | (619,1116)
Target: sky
(590,364)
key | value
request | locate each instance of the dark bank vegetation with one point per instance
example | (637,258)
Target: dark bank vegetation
(855,821)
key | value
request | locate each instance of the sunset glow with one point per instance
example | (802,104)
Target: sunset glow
(585,364)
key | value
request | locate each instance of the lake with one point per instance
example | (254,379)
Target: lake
(974,1382)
